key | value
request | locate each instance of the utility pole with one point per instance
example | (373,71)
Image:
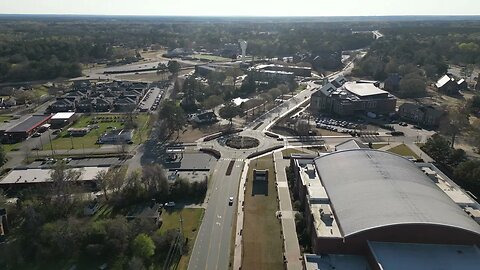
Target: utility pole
(51,145)
(181,224)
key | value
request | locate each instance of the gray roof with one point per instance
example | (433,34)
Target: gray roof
(399,256)
(327,89)
(29,123)
(370,189)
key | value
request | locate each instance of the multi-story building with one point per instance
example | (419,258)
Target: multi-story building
(363,204)
(349,98)
(420,114)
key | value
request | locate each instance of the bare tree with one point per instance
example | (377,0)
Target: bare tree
(155,180)
(455,122)
(103,180)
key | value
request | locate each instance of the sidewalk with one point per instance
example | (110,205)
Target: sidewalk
(289,232)
(237,254)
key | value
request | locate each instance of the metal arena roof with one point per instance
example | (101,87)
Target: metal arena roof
(370,189)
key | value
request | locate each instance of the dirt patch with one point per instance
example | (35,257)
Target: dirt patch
(191,134)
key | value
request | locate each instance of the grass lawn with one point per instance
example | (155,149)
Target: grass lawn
(192,218)
(40,91)
(262,241)
(64,141)
(5,117)
(210,57)
(12,147)
(288,152)
(403,150)
(378,145)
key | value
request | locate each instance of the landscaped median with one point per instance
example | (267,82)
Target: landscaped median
(262,246)
(100,123)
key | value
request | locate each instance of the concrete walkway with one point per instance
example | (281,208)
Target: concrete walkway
(289,232)
(237,254)
(420,153)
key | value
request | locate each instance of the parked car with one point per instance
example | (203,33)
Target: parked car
(230,201)
(169,204)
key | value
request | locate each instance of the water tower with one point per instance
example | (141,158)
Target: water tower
(243,46)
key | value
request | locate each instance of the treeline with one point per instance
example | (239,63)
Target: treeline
(465,172)
(47,49)
(47,58)
(48,226)
(422,50)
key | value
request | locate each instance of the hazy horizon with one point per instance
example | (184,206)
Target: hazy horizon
(246,8)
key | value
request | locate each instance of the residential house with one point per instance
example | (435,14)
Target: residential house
(102,105)
(124,104)
(425,115)
(62,105)
(79,85)
(447,85)
(85,105)
(205,117)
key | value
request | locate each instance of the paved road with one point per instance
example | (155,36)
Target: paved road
(212,247)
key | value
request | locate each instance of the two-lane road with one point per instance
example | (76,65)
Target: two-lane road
(212,246)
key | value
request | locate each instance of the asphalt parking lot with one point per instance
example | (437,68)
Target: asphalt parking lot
(151,100)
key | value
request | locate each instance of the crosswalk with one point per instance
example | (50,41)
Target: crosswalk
(370,138)
(230,159)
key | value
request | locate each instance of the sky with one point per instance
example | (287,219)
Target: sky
(242,8)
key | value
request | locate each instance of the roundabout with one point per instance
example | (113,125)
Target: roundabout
(242,142)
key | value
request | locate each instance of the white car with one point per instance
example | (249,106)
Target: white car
(169,204)
(230,201)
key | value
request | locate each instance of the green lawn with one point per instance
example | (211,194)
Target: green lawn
(12,147)
(5,117)
(209,57)
(378,145)
(262,241)
(40,91)
(403,150)
(105,123)
(192,218)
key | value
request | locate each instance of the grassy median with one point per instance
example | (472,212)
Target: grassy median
(403,150)
(262,241)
